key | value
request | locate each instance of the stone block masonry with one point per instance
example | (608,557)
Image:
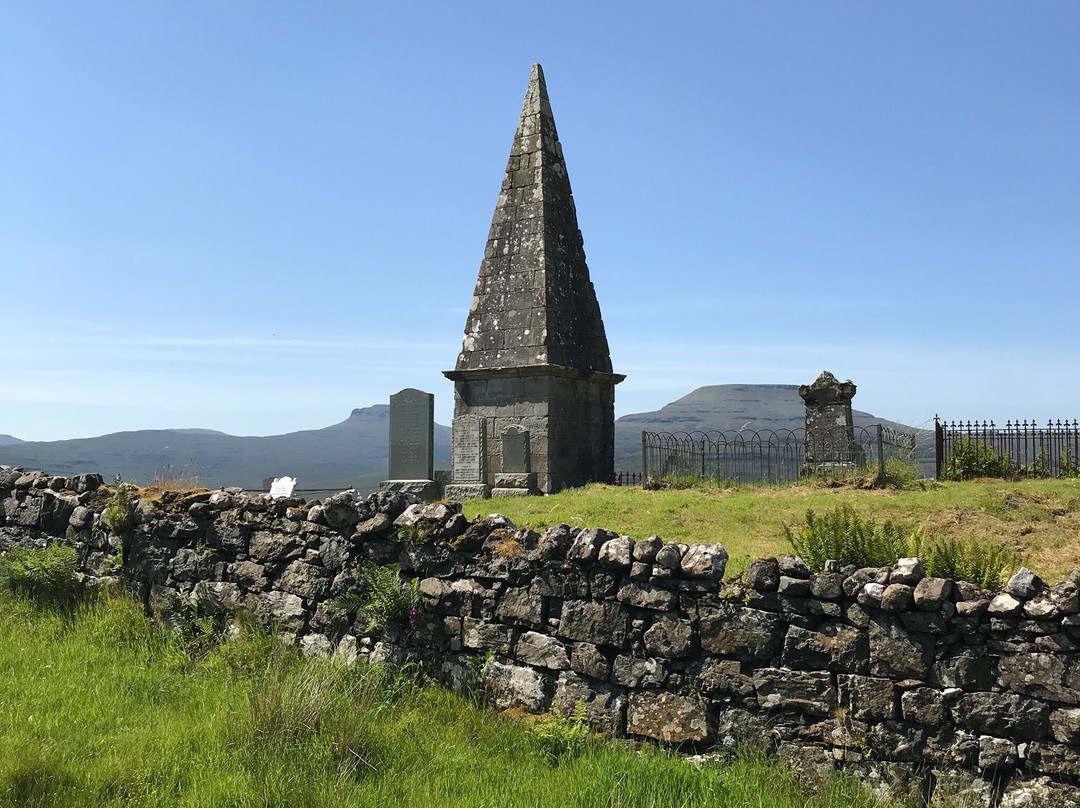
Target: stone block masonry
(918,685)
(534,359)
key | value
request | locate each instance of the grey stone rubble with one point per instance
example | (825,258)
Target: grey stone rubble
(534,361)
(920,686)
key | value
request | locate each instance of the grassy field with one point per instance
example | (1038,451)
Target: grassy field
(1039,519)
(98,707)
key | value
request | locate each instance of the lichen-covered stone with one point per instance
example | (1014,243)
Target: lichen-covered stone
(1002,715)
(1024,584)
(617,553)
(763,575)
(930,593)
(961,789)
(667,717)
(604,623)
(630,671)
(997,753)
(895,652)
(706,561)
(1043,675)
(587,659)
(729,630)
(897,598)
(866,698)
(521,606)
(907,571)
(669,638)
(836,647)
(670,556)
(605,707)
(487,637)
(646,549)
(554,543)
(280,608)
(1065,725)
(1054,758)
(305,580)
(805,692)
(1040,792)
(516,686)
(645,596)
(724,677)
(585,548)
(540,649)
(924,705)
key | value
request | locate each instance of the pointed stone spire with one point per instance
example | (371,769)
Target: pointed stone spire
(534,304)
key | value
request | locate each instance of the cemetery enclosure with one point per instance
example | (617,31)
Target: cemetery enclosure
(773,456)
(918,681)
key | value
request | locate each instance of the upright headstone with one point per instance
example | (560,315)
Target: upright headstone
(469,451)
(412,441)
(830,432)
(535,354)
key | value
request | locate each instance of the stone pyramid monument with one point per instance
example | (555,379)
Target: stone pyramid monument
(534,395)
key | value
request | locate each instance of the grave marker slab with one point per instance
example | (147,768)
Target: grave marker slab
(412,435)
(469,443)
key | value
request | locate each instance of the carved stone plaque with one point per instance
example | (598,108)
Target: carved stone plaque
(515,450)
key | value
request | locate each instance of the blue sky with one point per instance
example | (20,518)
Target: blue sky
(254,217)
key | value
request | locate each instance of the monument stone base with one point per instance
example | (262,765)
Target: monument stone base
(427,490)
(515,484)
(459,492)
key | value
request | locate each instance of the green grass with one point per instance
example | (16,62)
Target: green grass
(100,708)
(1043,527)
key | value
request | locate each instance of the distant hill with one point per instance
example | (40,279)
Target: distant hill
(353,452)
(733,407)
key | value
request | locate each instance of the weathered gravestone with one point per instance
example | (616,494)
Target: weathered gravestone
(412,441)
(830,431)
(535,355)
(469,450)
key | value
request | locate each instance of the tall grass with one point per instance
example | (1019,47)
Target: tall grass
(108,710)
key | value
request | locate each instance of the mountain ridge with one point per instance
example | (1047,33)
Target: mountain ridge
(355,451)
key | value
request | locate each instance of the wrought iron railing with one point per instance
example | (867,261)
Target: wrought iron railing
(773,456)
(970,449)
(627,478)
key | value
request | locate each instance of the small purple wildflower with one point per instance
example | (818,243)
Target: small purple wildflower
(412,616)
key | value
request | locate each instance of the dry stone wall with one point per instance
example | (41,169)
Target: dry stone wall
(920,685)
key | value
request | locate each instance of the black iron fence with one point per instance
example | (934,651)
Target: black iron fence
(966,450)
(627,478)
(773,456)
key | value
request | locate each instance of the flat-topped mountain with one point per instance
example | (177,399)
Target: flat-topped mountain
(9,440)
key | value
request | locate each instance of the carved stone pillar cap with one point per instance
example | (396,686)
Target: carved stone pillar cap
(827,390)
